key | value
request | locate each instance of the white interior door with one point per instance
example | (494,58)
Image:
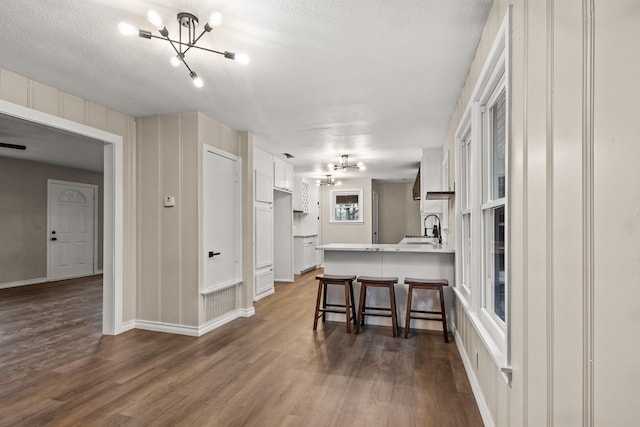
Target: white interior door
(71,246)
(221,220)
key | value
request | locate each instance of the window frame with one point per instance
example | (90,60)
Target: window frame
(346,192)
(476,125)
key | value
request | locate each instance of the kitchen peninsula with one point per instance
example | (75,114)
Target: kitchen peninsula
(428,261)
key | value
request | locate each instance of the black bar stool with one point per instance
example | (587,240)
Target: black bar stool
(432,285)
(348,308)
(378,282)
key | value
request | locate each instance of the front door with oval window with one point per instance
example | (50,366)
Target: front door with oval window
(71,229)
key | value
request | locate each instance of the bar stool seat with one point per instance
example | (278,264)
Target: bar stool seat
(377,282)
(348,308)
(426,284)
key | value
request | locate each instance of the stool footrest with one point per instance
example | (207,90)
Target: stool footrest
(439,319)
(331,310)
(426,312)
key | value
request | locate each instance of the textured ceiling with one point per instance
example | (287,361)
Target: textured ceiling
(377,79)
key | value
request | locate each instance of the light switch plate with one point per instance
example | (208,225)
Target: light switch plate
(169,201)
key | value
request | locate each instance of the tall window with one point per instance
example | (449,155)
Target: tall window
(482,208)
(493,206)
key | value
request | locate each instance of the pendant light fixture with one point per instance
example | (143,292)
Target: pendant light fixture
(344,164)
(328,180)
(187,38)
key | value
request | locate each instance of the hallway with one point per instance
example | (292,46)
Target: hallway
(267,370)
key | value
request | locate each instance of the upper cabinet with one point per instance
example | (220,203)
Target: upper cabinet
(282,175)
(263,176)
(300,196)
(430,179)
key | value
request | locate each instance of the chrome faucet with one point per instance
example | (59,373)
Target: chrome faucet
(436,230)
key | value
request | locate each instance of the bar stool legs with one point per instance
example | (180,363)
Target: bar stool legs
(378,282)
(348,309)
(425,284)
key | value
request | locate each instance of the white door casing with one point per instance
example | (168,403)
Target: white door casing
(72,229)
(221,243)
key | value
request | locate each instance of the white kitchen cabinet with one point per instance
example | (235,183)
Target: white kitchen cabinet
(305,253)
(282,175)
(263,237)
(263,283)
(430,180)
(263,187)
(300,196)
(263,234)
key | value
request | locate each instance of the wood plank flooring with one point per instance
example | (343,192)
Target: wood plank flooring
(268,370)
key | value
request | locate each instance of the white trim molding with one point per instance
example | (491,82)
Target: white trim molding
(192,331)
(483,407)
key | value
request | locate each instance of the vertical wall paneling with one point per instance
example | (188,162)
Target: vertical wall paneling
(170,239)
(549,210)
(189,207)
(14,88)
(616,213)
(148,219)
(588,63)
(44,98)
(72,108)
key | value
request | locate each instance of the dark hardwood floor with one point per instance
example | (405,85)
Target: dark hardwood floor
(268,370)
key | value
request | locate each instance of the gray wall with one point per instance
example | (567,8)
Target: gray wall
(347,233)
(23,215)
(398,213)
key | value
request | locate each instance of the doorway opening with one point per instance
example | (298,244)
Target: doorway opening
(113,234)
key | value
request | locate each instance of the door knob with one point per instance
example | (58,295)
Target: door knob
(212,254)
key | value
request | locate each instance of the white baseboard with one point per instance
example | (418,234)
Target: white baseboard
(247,312)
(23,283)
(99,271)
(192,331)
(216,323)
(473,380)
(166,327)
(264,295)
(127,326)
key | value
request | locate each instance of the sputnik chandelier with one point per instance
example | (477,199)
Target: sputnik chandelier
(187,39)
(344,164)
(328,180)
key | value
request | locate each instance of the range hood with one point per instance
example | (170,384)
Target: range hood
(416,187)
(439,195)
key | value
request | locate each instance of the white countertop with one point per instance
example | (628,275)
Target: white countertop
(364,247)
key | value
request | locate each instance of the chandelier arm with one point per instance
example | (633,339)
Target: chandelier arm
(186,44)
(180,54)
(194,42)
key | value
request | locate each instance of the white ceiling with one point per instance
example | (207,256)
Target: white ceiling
(376,79)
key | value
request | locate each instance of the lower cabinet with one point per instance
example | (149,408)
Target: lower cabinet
(263,284)
(304,249)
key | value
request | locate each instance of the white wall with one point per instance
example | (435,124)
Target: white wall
(574,217)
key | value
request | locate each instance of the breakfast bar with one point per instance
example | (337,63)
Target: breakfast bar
(427,261)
